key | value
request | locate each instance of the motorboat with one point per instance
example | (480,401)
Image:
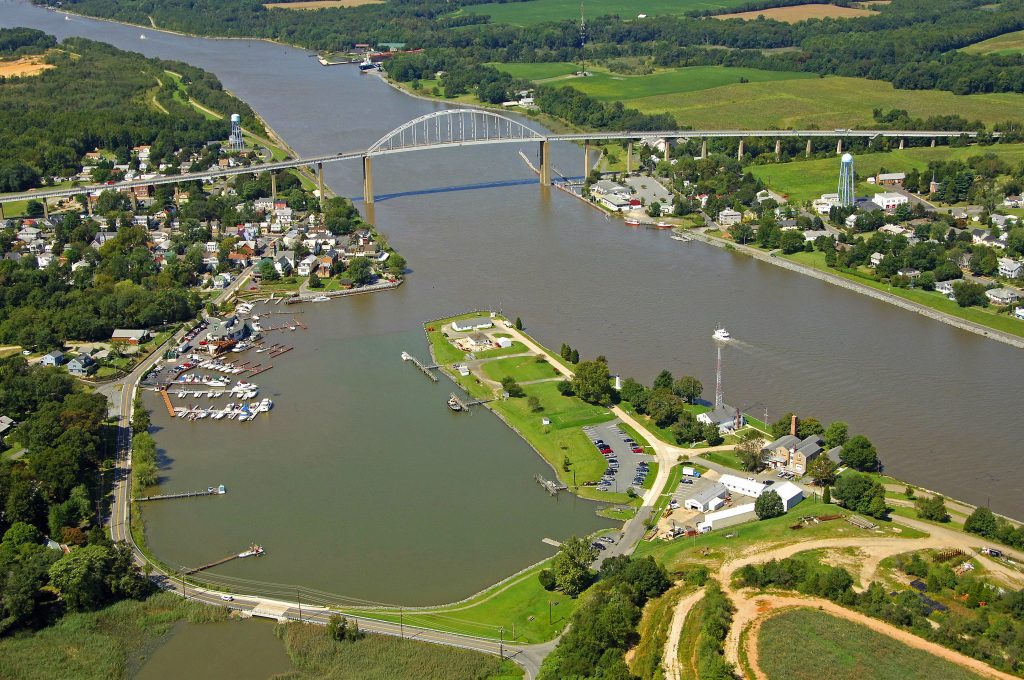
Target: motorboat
(664,225)
(632,222)
(453,403)
(320,298)
(367,64)
(253,551)
(721,334)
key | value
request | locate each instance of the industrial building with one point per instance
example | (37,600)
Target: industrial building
(708,499)
(742,486)
(726,518)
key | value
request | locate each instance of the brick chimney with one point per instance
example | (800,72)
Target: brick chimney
(792,426)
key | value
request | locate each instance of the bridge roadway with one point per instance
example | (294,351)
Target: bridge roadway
(379,149)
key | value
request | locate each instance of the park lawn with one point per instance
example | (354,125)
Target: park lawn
(653,630)
(96,645)
(1005,44)
(540,11)
(617,512)
(606,86)
(848,650)
(444,352)
(804,180)
(825,103)
(522,369)
(984,316)
(503,605)
(652,474)
(766,534)
(727,458)
(516,348)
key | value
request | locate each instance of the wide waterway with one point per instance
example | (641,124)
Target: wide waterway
(359,482)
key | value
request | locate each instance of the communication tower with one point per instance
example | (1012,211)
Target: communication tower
(846,181)
(236,140)
(583,42)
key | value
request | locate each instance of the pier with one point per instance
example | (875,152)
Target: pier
(551,487)
(167,403)
(211,491)
(420,365)
(253,551)
(464,405)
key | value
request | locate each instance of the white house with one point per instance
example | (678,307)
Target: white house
(54,358)
(876,259)
(307,265)
(1002,296)
(1010,268)
(824,204)
(477,323)
(1019,313)
(889,200)
(742,485)
(729,217)
(726,419)
(727,517)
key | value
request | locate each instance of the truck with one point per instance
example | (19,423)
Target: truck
(992,552)
(691,472)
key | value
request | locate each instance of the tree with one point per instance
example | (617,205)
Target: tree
(592,382)
(808,427)
(768,505)
(792,241)
(826,495)
(781,427)
(519,324)
(140,416)
(314,281)
(360,271)
(711,434)
(836,434)
(533,403)
(859,453)
(79,577)
(932,508)
(571,566)
(688,388)
(749,451)
(565,388)
(632,391)
(547,579)
(981,522)
(860,493)
(654,209)
(574,356)
(513,388)
(822,470)
(969,294)
(267,271)
(664,380)
(741,233)
(664,408)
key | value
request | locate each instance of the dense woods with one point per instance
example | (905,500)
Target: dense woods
(912,43)
(100,97)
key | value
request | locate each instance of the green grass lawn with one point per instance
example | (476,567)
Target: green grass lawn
(803,180)
(652,474)
(523,369)
(516,348)
(1007,43)
(508,605)
(848,650)
(726,458)
(820,102)
(675,554)
(444,352)
(636,436)
(985,316)
(607,86)
(538,11)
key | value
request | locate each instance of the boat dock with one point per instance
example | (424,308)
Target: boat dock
(551,487)
(254,550)
(211,491)
(167,403)
(420,365)
(456,400)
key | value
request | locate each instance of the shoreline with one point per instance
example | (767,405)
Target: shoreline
(895,300)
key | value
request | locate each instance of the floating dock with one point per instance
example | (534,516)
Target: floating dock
(211,491)
(420,365)
(551,487)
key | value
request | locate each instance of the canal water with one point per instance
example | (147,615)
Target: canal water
(360,483)
(211,651)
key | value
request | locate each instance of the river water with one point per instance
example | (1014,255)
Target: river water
(371,492)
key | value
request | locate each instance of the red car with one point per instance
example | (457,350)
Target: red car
(638,449)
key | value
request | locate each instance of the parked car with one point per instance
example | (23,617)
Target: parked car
(606,539)
(684,480)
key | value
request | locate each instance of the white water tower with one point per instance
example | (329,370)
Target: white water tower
(846,181)
(236,140)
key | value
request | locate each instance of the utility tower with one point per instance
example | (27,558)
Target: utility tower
(719,397)
(236,140)
(583,42)
(846,181)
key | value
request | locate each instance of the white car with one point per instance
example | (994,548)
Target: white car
(227,598)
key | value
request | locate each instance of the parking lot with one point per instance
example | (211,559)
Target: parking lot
(626,467)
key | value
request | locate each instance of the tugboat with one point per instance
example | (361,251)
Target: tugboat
(367,64)
(453,403)
(721,334)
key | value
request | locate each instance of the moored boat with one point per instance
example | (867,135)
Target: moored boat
(252,551)
(632,222)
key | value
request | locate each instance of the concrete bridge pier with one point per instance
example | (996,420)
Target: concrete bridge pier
(839,146)
(668,149)
(273,185)
(367,180)
(586,159)
(704,148)
(629,156)
(320,180)
(778,149)
(933,142)
(545,163)
(739,152)
(901,143)
(2,211)
(88,201)
(46,208)
(807,153)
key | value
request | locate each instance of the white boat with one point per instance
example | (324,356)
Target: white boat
(291,328)
(261,350)
(721,334)
(142,36)
(252,551)
(320,298)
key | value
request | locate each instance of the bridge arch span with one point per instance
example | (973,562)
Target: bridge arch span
(453,127)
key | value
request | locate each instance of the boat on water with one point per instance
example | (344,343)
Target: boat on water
(142,36)
(320,298)
(261,350)
(632,222)
(367,64)
(664,225)
(291,328)
(721,334)
(253,551)
(453,403)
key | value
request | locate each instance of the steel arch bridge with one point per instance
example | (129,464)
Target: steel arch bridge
(452,128)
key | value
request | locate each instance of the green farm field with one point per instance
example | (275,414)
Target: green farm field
(539,11)
(805,180)
(848,650)
(1007,43)
(608,86)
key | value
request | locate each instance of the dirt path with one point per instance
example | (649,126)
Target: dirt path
(670,659)
(766,606)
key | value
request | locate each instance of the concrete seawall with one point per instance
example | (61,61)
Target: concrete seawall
(908,305)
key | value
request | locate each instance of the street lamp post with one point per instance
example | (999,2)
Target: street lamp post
(501,643)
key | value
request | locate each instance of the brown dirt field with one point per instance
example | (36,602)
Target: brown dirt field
(792,15)
(26,66)
(320,4)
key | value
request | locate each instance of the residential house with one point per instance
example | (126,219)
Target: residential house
(54,358)
(6,424)
(887,179)
(307,265)
(850,221)
(945,287)
(239,258)
(1002,296)
(221,281)
(909,272)
(876,259)
(1013,202)
(824,204)
(889,200)
(263,205)
(725,418)
(729,217)
(812,235)
(1004,222)
(129,337)
(327,259)
(607,187)
(1019,313)
(29,234)
(284,263)
(102,237)
(792,454)
(475,323)
(1010,268)
(81,366)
